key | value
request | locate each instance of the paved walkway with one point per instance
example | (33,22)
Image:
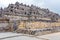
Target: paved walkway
(18,36)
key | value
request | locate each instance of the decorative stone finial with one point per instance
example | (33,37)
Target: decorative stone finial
(17,3)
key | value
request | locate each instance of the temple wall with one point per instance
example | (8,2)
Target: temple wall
(37,25)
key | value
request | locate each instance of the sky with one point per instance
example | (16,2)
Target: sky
(53,5)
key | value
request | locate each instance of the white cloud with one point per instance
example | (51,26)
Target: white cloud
(51,4)
(28,2)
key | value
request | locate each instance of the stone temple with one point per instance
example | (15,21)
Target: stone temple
(28,19)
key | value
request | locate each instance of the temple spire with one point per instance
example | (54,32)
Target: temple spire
(17,3)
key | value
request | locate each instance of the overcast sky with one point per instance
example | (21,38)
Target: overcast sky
(53,5)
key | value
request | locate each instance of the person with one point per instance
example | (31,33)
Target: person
(15,26)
